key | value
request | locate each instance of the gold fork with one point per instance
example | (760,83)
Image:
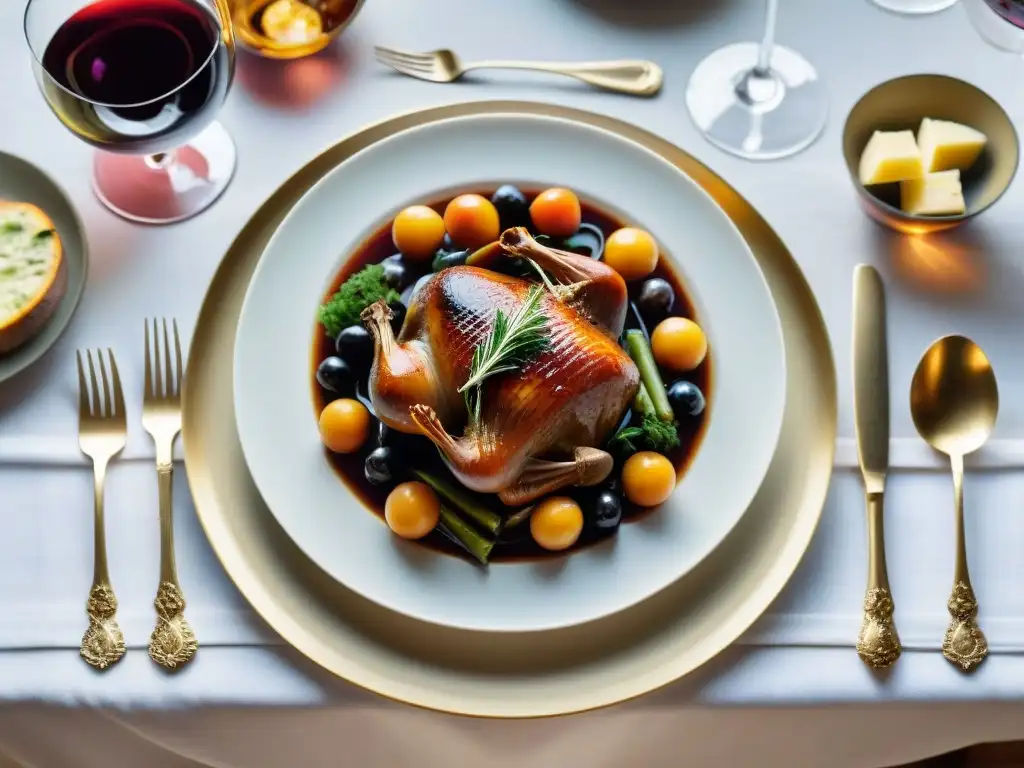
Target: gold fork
(102,431)
(173,642)
(635,77)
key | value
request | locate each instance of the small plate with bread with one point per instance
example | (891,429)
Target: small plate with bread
(43,263)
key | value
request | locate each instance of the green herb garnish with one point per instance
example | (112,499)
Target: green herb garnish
(44,234)
(13,226)
(512,341)
(653,434)
(658,430)
(357,293)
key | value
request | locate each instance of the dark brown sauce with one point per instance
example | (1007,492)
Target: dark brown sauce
(519,544)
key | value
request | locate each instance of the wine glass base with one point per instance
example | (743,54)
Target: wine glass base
(914,7)
(174,186)
(777,115)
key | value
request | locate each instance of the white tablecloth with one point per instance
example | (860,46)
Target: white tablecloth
(800,654)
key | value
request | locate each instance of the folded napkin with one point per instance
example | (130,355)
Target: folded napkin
(46,500)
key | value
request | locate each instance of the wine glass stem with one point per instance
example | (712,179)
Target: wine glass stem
(758,86)
(764,55)
(159,160)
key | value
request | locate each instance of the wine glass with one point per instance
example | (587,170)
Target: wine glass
(760,101)
(141,80)
(914,7)
(291,29)
(999,22)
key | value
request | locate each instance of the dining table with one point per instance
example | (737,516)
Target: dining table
(792,691)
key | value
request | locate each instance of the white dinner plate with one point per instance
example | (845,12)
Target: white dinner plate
(272,373)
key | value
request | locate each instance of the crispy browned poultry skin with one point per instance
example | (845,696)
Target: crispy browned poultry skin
(560,405)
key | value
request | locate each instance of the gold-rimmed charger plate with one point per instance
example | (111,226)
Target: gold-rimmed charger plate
(510,674)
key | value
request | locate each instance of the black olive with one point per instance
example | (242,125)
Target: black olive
(606,512)
(686,399)
(613,483)
(517,267)
(513,208)
(396,274)
(397,315)
(588,240)
(377,468)
(355,346)
(334,375)
(398,442)
(443,260)
(656,300)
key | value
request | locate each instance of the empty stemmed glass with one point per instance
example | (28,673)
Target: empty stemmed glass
(761,101)
(141,80)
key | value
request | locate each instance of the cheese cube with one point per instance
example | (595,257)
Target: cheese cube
(946,145)
(936,194)
(890,156)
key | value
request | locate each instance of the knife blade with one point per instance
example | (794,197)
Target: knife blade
(878,643)
(870,377)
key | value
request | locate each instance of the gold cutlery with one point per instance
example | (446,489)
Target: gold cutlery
(631,76)
(878,643)
(173,642)
(954,401)
(102,432)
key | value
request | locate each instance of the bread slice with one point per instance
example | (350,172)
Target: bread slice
(33,275)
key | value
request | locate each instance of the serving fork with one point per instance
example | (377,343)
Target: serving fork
(102,432)
(172,642)
(631,76)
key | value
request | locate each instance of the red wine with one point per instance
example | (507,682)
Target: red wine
(1011,10)
(137,75)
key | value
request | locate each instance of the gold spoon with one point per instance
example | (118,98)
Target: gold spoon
(954,401)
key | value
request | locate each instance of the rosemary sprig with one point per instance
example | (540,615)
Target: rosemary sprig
(512,341)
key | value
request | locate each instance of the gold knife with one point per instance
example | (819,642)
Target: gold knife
(878,643)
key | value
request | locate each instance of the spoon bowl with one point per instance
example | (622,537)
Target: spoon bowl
(954,399)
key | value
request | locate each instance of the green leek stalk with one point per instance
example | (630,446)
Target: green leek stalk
(640,351)
(486,518)
(642,402)
(461,532)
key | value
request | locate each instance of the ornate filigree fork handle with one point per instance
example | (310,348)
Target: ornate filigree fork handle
(102,431)
(103,641)
(964,644)
(878,644)
(172,643)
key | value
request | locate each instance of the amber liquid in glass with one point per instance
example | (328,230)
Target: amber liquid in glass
(290,29)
